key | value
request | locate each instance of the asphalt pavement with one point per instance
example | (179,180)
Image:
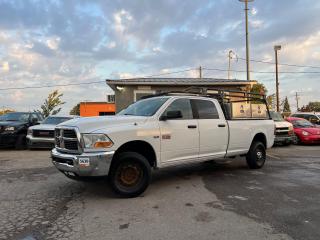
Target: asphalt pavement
(212,200)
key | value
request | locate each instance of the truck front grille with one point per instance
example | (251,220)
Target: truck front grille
(282,131)
(66,140)
(43,133)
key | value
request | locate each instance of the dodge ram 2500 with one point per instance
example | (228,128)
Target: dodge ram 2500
(157,132)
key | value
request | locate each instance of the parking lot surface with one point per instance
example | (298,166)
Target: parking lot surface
(212,200)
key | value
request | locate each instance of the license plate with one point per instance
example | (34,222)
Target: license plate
(84,162)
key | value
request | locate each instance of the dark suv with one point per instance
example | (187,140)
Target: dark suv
(311,117)
(14,127)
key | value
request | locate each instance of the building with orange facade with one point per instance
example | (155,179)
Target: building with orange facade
(89,109)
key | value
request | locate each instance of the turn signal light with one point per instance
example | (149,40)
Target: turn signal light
(103,144)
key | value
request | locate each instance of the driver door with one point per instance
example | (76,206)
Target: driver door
(179,137)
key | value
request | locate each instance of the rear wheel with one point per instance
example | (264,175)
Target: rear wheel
(21,142)
(130,174)
(256,156)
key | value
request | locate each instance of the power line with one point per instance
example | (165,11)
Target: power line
(89,83)
(282,64)
(264,72)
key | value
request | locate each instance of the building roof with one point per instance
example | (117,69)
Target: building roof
(178,81)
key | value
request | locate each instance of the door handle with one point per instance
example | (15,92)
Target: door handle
(192,126)
(221,125)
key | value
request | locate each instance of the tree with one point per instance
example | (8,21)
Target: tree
(259,88)
(51,105)
(311,107)
(286,106)
(4,111)
(75,110)
(271,100)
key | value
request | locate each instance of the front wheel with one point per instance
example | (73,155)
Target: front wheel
(130,174)
(256,156)
(296,140)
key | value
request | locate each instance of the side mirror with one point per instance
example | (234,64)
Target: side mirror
(171,115)
(34,121)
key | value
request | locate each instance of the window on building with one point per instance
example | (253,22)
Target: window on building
(106,113)
(139,94)
(110,98)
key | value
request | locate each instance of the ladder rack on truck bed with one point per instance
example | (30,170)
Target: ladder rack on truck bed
(225,97)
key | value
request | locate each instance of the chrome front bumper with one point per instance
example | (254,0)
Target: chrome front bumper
(85,164)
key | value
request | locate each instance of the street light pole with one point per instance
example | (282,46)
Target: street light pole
(247,37)
(276,49)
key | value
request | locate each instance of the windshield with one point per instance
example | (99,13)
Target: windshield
(302,124)
(55,120)
(21,117)
(276,117)
(147,107)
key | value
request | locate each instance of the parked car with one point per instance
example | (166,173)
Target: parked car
(305,131)
(42,136)
(312,117)
(284,133)
(14,126)
(155,133)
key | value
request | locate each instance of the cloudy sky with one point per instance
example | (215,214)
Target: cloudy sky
(75,41)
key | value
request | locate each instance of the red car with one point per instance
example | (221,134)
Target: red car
(305,131)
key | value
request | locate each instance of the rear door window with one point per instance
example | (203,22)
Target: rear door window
(205,109)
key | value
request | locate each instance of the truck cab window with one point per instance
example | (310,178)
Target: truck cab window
(206,109)
(182,105)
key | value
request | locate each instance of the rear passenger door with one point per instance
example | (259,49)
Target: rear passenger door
(213,129)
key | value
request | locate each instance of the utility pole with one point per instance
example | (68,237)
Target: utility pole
(229,65)
(297,101)
(200,72)
(276,49)
(247,37)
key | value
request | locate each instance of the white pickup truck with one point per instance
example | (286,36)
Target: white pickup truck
(154,133)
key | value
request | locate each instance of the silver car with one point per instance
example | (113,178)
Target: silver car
(42,135)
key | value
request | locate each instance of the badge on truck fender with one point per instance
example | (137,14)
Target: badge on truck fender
(84,162)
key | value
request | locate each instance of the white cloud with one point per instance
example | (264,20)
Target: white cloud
(257,23)
(254,11)
(17,96)
(121,19)
(5,67)
(53,43)
(112,44)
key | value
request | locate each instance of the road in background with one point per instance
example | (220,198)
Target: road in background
(213,200)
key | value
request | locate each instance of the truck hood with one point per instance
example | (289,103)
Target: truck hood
(94,124)
(11,123)
(282,124)
(43,127)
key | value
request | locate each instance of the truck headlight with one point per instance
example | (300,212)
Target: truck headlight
(94,141)
(291,131)
(305,133)
(29,131)
(9,129)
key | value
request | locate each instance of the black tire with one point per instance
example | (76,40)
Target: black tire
(256,157)
(296,140)
(21,142)
(130,174)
